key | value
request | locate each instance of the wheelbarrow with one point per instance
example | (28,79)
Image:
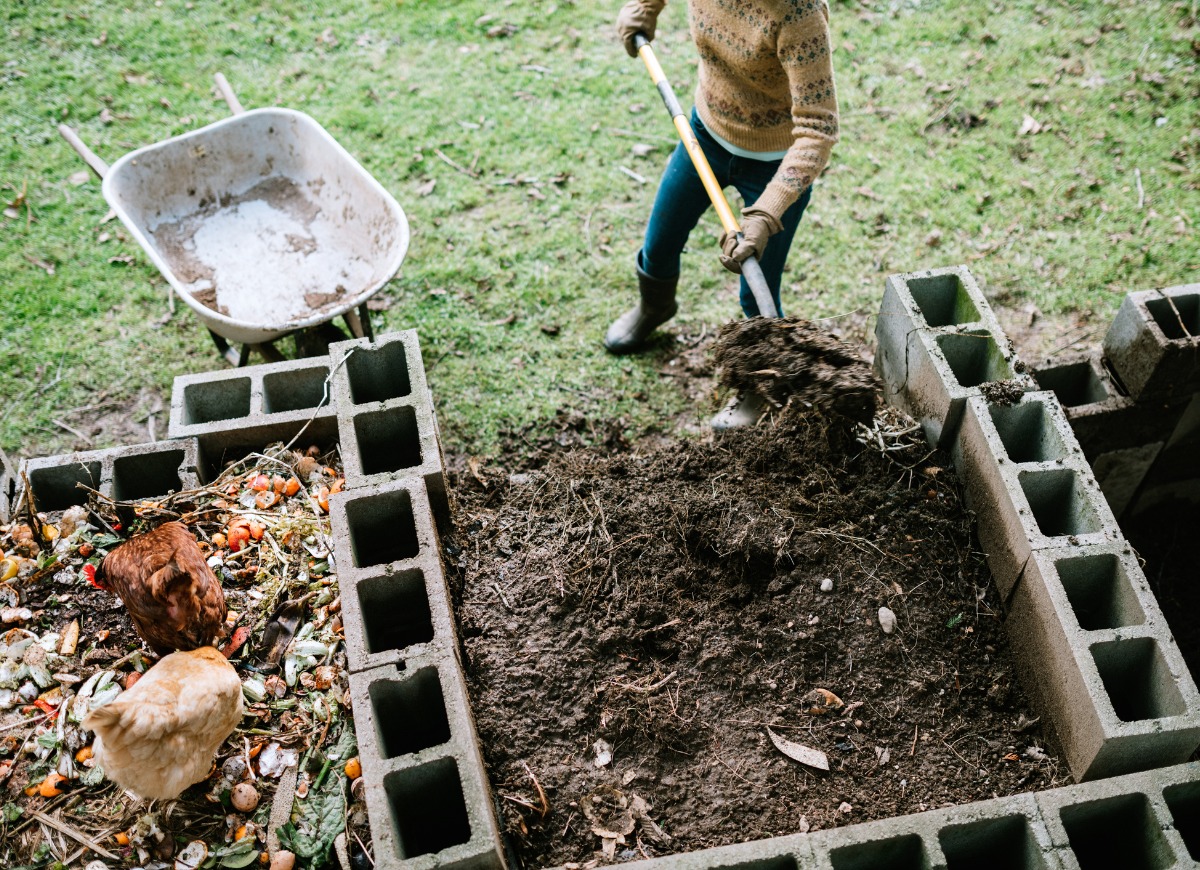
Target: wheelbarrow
(261,222)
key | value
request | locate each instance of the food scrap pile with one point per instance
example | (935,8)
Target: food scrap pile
(285,788)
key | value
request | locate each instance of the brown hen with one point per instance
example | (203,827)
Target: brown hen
(164,581)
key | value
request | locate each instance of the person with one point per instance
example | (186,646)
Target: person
(765,114)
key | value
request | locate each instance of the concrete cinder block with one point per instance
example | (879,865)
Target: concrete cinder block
(426,788)
(1005,832)
(389,567)
(230,412)
(777,853)
(1175,474)
(139,471)
(1153,343)
(1104,419)
(937,342)
(1099,661)
(386,420)
(8,487)
(946,298)
(1122,473)
(1026,479)
(1124,822)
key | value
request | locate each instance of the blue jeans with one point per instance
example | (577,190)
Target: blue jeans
(681,200)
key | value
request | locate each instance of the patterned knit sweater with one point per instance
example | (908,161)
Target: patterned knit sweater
(766,84)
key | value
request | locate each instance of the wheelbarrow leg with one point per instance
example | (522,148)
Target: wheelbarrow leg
(359,322)
(268,350)
(231,356)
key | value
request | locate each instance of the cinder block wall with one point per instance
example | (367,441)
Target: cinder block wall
(1094,650)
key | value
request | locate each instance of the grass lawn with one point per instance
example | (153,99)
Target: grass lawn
(1051,146)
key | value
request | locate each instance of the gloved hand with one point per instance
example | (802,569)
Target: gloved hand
(635,18)
(758,225)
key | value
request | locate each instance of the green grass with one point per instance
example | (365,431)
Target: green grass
(547,226)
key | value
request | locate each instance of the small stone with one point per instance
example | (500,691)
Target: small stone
(887,620)
(244,797)
(845,808)
(827,585)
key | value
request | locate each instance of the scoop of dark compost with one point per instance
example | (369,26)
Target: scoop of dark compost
(786,357)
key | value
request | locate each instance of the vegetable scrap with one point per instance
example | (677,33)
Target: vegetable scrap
(68,646)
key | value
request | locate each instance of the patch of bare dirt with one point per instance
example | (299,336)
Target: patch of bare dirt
(634,619)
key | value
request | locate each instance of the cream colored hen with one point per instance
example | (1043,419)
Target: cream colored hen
(160,736)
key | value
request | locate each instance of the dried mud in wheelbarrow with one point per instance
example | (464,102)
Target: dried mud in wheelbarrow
(635,619)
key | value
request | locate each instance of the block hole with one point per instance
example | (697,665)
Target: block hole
(1060,504)
(210,401)
(894,853)
(1100,591)
(1177,316)
(1138,682)
(1184,802)
(410,714)
(780,862)
(974,358)
(379,374)
(294,390)
(388,440)
(147,475)
(1074,384)
(943,300)
(382,528)
(54,489)
(1027,432)
(1116,832)
(429,812)
(1006,843)
(395,610)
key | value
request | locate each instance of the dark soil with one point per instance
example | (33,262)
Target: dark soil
(782,358)
(1165,538)
(663,603)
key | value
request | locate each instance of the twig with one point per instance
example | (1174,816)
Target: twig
(17,725)
(503,600)
(647,689)
(640,179)
(913,751)
(75,835)
(617,131)
(60,424)
(1137,178)
(458,166)
(545,808)
(324,396)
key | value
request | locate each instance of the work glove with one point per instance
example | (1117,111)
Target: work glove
(758,225)
(635,18)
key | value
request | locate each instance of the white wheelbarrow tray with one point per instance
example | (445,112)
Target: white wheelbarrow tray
(267,216)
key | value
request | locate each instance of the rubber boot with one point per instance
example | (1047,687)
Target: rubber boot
(629,332)
(744,410)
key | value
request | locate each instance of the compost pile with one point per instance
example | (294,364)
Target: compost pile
(663,643)
(785,358)
(288,774)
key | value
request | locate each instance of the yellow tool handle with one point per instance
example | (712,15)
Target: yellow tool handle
(751,269)
(715,194)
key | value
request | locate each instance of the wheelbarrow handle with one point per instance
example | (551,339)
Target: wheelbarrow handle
(97,165)
(227,93)
(751,270)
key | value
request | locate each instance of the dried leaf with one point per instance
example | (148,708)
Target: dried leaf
(1030,127)
(806,755)
(426,188)
(818,702)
